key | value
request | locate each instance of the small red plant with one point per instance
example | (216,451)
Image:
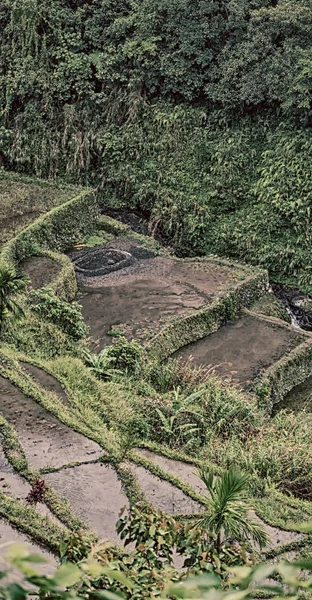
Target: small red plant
(37,492)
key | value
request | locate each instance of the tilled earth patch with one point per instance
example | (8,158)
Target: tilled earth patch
(46,441)
(95,494)
(242,349)
(163,495)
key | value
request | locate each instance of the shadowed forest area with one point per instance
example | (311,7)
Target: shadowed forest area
(197,112)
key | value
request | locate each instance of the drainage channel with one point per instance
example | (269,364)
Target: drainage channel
(293,300)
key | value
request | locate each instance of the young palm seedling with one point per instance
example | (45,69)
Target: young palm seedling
(228,516)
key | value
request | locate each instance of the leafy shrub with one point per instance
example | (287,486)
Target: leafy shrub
(167,376)
(101,364)
(157,535)
(126,355)
(66,316)
(103,574)
(228,411)
(191,421)
(38,338)
(122,356)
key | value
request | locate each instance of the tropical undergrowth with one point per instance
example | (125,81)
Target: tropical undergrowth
(194,412)
(187,410)
(125,401)
(197,113)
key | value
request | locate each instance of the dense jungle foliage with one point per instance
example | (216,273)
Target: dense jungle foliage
(197,112)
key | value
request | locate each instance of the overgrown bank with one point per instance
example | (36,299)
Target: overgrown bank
(199,115)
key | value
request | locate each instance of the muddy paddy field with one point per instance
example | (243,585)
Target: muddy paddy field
(128,287)
(142,297)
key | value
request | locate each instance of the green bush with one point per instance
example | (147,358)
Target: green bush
(122,356)
(66,316)
(37,337)
(126,355)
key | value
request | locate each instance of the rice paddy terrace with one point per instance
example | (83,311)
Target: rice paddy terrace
(57,420)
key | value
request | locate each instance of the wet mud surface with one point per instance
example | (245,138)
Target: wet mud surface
(11,483)
(163,495)
(41,271)
(277,537)
(245,347)
(46,441)
(17,487)
(9,534)
(95,494)
(45,380)
(186,472)
(142,297)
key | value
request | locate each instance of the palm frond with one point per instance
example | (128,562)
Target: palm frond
(207,477)
(14,308)
(229,510)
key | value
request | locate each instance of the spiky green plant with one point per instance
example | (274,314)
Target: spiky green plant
(228,516)
(11,283)
(101,364)
(171,430)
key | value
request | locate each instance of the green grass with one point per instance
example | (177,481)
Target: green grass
(23,199)
(25,518)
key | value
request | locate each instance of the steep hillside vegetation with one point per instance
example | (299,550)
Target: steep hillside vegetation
(196,112)
(206,475)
